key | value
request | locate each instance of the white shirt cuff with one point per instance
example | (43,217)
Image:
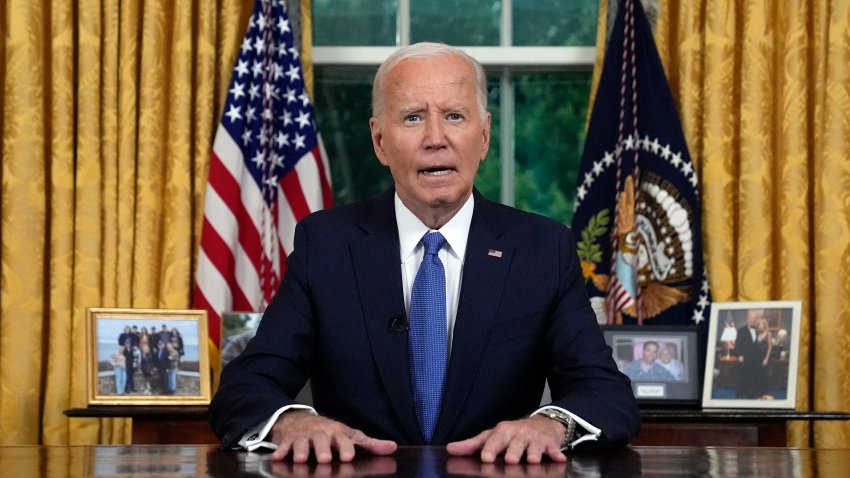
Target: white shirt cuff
(593,433)
(254,438)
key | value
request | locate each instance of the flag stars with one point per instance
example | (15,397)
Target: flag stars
(271,181)
(259,43)
(261,22)
(629,143)
(305,100)
(246,137)
(270,91)
(241,68)
(258,159)
(257,68)
(251,114)
(677,159)
(608,159)
(597,168)
(582,192)
(268,114)
(303,119)
(655,146)
(300,141)
(237,90)
(290,95)
(666,151)
(286,118)
(233,113)
(246,45)
(283,25)
(278,71)
(293,52)
(254,91)
(293,73)
(282,139)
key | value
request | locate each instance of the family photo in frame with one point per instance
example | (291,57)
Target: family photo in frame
(752,355)
(661,362)
(147,357)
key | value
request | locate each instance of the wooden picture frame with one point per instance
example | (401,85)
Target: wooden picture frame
(757,372)
(670,375)
(170,368)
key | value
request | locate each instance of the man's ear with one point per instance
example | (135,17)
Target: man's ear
(485,139)
(377,139)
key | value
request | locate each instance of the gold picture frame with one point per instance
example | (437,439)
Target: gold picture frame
(131,361)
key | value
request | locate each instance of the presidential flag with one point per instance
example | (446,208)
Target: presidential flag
(268,170)
(637,209)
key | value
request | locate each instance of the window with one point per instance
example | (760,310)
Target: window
(539,59)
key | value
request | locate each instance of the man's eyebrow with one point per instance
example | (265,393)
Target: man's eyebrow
(406,110)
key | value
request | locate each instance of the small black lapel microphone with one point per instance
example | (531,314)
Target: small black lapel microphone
(399,323)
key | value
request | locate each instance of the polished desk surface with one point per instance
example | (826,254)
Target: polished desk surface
(199,461)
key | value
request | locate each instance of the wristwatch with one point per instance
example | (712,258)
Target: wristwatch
(568,422)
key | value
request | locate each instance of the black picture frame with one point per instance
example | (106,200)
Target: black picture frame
(677,382)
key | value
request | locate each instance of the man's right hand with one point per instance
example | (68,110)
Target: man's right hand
(300,431)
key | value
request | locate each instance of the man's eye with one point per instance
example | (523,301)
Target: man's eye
(412,118)
(454,117)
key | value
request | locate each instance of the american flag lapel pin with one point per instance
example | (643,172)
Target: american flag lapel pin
(494,253)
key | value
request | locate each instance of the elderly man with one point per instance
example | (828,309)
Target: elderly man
(428,315)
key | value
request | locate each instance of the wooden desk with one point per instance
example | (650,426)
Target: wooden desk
(196,461)
(727,427)
(155,425)
(667,427)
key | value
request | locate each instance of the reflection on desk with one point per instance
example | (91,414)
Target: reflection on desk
(198,461)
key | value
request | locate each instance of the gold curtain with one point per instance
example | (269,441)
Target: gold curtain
(763,92)
(108,113)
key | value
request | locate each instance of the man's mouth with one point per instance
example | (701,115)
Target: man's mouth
(437,171)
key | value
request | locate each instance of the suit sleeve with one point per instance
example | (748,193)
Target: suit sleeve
(583,376)
(274,366)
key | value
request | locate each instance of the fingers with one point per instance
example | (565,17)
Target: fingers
(302,434)
(531,438)
(469,446)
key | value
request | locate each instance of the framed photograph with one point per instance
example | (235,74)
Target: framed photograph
(147,357)
(662,362)
(752,355)
(237,328)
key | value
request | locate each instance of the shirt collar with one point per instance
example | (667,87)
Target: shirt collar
(411,229)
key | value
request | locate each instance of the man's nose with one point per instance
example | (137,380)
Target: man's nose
(435,133)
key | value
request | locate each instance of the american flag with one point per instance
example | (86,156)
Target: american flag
(267,171)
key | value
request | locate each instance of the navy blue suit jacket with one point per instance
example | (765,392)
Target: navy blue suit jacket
(339,319)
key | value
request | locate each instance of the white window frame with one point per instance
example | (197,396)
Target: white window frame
(505,59)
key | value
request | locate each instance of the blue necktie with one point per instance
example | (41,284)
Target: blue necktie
(428,348)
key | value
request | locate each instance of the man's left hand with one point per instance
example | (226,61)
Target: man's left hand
(532,437)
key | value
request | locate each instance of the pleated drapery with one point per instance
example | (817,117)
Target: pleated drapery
(108,114)
(763,92)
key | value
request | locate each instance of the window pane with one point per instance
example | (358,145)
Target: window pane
(488,181)
(343,108)
(550,117)
(354,22)
(456,22)
(555,22)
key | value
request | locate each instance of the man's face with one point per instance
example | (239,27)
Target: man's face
(753,315)
(650,353)
(430,133)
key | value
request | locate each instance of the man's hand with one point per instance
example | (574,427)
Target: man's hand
(533,437)
(300,431)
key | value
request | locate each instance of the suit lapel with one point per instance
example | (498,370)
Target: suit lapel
(377,266)
(485,269)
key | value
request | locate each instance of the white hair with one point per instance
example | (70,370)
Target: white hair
(427,50)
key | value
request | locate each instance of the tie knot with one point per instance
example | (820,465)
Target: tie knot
(433,242)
